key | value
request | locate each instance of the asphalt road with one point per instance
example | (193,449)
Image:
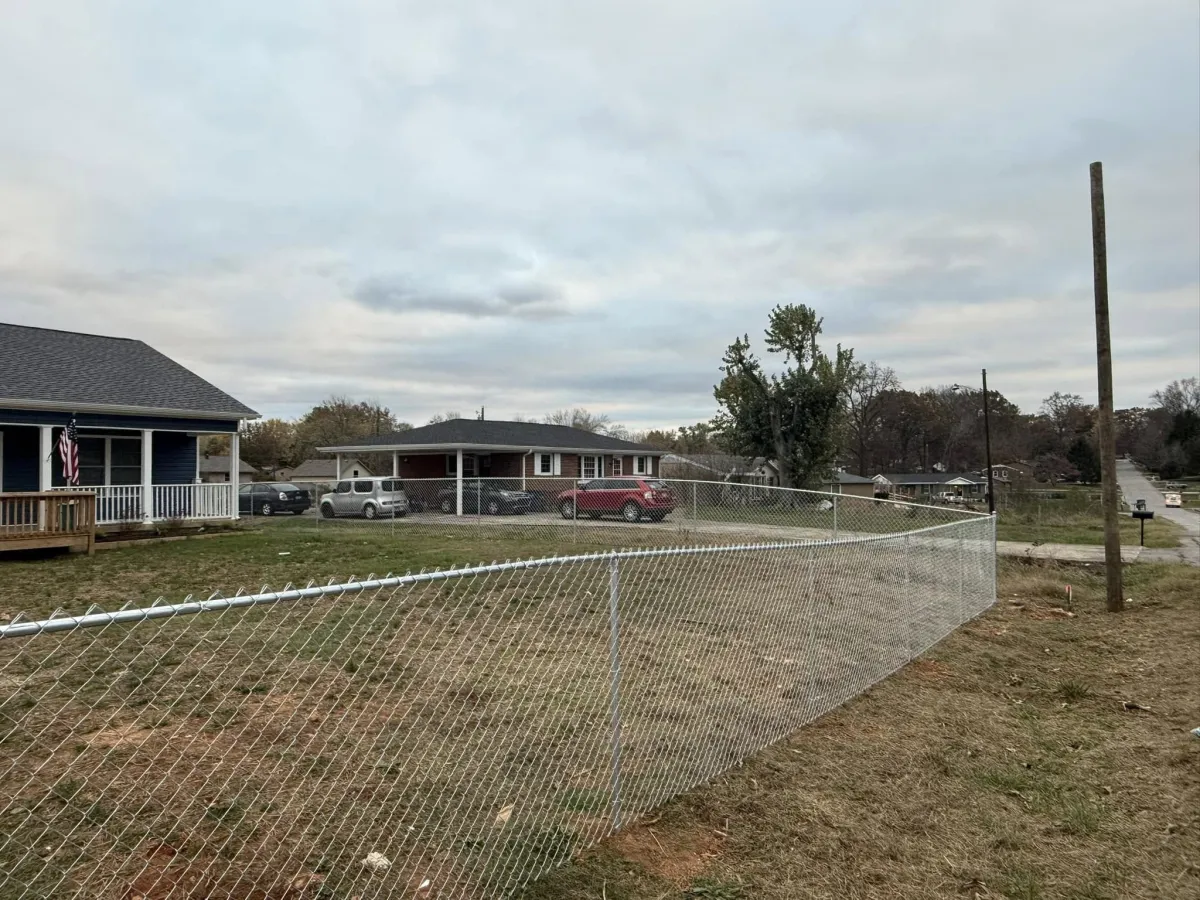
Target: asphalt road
(1135,487)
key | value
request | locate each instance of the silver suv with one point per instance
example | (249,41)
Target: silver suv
(371,498)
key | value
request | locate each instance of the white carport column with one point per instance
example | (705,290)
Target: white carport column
(458,484)
(147,475)
(395,463)
(235,469)
(337,467)
(45,457)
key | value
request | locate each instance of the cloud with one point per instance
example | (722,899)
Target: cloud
(400,293)
(536,207)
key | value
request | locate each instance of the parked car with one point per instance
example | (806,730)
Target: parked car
(633,499)
(484,496)
(265,498)
(370,498)
(1175,500)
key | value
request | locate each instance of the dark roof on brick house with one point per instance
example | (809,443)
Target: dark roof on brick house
(493,435)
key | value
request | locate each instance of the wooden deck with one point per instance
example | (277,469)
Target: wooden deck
(34,520)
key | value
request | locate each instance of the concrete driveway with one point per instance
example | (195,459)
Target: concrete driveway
(1135,487)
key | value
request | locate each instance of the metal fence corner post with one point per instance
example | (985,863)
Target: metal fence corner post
(835,512)
(614,690)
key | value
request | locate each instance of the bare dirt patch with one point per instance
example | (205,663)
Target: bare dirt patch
(678,855)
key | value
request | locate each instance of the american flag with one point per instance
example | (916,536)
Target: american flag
(68,449)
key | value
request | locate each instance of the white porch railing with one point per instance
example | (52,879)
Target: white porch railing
(116,504)
(194,501)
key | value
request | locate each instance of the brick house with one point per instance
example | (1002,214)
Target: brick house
(530,456)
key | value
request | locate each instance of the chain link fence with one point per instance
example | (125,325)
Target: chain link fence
(631,511)
(450,733)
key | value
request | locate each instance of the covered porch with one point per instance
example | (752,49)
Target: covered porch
(138,475)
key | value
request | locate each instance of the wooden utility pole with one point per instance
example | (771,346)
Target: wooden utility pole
(1108,447)
(987,449)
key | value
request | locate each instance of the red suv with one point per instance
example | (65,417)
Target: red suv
(630,498)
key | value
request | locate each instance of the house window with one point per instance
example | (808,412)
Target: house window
(103,461)
(547,464)
(468,465)
(642,465)
(591,466)
(616,465)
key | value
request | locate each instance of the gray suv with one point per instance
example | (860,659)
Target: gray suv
(371,498)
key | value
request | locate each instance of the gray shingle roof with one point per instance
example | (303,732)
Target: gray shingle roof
(929,477)
(220,464)
(494,433)
(62,368)
(848,478)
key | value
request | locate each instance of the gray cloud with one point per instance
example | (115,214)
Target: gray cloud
(401,294)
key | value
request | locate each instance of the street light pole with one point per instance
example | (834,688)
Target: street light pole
(987,445)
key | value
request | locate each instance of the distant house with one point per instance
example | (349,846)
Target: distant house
(929,484)
(215,469)
(845,483)
(139,416)
(325,470)
(531,456)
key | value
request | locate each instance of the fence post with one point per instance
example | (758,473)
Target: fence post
(910,610)
(835,509)
(695,514)
(614,691)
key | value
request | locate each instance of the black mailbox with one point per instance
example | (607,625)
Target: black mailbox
(1143,514)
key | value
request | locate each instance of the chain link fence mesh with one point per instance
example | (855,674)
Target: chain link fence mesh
(450,734)
(618,508)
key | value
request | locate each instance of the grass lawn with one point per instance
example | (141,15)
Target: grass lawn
(275,554)
(1052,525)
(1086,529)
(1002,764)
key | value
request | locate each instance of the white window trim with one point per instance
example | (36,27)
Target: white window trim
(597,465)
(643,465)
(555,465)
(616,466)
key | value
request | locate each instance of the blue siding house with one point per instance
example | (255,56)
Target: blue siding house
(139,415)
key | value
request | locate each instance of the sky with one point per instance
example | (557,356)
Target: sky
(533,205)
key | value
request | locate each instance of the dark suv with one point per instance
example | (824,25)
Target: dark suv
(480,496)
(269,497)
(633,499)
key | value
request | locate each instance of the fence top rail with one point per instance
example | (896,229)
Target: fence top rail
(160,609)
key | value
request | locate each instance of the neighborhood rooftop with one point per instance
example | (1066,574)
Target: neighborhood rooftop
(44,368)
(476,433)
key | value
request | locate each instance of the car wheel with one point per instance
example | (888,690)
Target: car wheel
(631,512)
(447,505)
(370,510)
(493,508)
(567,509)
(326,511)
(266,510)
